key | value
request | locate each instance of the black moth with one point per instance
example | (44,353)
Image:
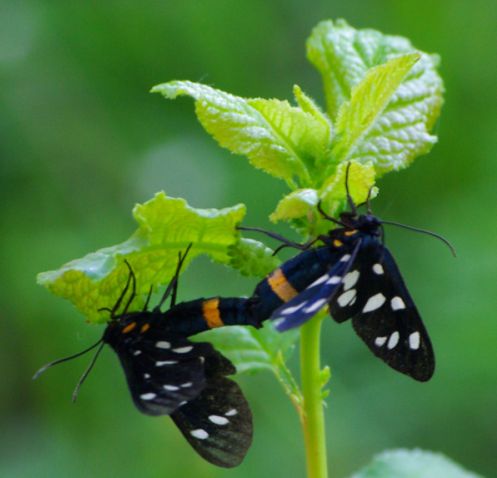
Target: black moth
(167,374)
(357,277)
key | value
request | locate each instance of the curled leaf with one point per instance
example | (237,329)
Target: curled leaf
(166,227)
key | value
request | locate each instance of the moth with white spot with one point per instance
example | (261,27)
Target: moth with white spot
(356,276)
(167,374)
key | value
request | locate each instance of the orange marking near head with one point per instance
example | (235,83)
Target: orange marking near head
(144,328)
(210,312)
(337,243)
(350,233)
(280,285)
(129,328)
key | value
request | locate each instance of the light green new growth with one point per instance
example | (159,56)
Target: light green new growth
(165,227)
(383,97)
(276,137)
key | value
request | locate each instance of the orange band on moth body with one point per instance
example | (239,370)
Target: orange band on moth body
(351,232)
(210,312)
(144,328)
(280,286)
(129,328)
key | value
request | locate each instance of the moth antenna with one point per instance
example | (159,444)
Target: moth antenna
(133,287)
(123,293)
(64,359)
(173,285)
(326,216)
(349,197)
(145,307)
(424,231)
(86,372)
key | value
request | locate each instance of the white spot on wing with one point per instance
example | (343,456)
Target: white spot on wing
(393,340)
(291,310)
(186,385)
(232,412)
(414,340)
(162,344)
(146,375)
(397,303)
(160,363)
(347,298)
(216,419)
(137,352)
(316,306)
(334,280)
(148,396)
(350,280)
(345,258)
(380,341)
(171,388)
(320,280)
(199,433)
(183,350)
(378,269)
(374,302)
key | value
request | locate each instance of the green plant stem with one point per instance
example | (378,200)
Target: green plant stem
(312,415)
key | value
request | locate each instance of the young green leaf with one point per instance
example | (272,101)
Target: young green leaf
(413,464)
(383,104)
(360,118)
(252,258)
(343,56)
(166,227)
(278,138)
(299,207)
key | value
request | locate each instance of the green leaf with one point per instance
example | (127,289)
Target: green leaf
(278,138)
(252,258)
(333,193)
(365,109)
(299,207)
(376,121)
(343,55)
(166,227)
(253,350)
(413,464)
(295,205)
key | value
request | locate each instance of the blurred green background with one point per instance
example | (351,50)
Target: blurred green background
(82,140)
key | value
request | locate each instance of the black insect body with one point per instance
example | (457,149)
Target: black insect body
(357,277)
(168,374)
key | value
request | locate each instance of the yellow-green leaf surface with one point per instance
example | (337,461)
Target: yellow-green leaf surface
(299,207)
(367,103)
(295,205)
(252,258)
(281,139)
(165,227)
(359,77)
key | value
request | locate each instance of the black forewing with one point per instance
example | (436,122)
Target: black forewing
(218,423)
(374,296)
(306,304)
(163,371)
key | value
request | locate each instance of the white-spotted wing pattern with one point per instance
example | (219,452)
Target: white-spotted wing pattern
(218,423)
(383,313)
(165,373)
(305,305)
